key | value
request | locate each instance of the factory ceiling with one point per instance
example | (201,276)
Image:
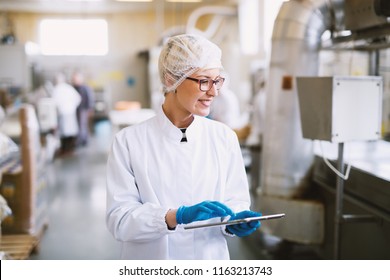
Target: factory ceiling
(103,6)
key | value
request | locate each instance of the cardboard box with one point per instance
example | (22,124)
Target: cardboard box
(25,190)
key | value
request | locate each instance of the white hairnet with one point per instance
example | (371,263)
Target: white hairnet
(183,55)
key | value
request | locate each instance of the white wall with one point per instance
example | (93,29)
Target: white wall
(129,35)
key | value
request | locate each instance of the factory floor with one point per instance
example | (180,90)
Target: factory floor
(76,226)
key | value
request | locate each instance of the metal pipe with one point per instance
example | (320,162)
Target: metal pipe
(374,63)
(218,11)
(339,201)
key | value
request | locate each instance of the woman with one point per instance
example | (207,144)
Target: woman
(179,167)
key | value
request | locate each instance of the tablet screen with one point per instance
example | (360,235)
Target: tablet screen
(234,222)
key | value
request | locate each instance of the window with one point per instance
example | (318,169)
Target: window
(73,37)
(249,26)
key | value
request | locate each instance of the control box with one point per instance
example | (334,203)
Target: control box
(340,108)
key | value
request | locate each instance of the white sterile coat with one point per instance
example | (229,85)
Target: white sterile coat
(149,172)
(67,99)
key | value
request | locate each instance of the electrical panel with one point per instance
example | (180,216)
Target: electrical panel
(340,108)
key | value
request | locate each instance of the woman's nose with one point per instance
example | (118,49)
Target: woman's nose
(213,91)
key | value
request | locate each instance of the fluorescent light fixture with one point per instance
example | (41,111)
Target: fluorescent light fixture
(184,1)
(84,0)
(134,0)
(74,37)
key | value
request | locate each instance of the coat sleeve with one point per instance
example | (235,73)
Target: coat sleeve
(127,218)
(237,189)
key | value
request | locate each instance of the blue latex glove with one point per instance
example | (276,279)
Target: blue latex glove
(202,211)
(244,229)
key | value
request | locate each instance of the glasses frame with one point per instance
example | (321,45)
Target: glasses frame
(214,82)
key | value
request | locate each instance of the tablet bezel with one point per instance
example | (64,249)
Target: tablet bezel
(235,222)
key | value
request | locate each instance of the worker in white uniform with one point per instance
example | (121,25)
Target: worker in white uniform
(226,108)
(66,99)
(179,167)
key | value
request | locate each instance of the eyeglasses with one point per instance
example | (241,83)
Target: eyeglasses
(207,84)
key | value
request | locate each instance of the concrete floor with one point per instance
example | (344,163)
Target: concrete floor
(76,228)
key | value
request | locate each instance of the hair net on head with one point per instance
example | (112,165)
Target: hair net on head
(183,55)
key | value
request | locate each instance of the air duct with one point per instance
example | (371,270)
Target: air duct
(296,40)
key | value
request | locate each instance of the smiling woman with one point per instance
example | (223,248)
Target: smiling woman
(179,167)
(74,37)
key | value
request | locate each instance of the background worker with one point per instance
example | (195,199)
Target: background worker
(85,108)
(67,99)
(226,109)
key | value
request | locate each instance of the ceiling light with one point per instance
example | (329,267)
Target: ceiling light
(84,0)
(184,1)
(134,0)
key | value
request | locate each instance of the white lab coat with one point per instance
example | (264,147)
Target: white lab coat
(149,172)
(67,100)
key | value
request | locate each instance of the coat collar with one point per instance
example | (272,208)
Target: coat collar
(172,132)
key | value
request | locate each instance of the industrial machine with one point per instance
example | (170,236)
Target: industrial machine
(340,218)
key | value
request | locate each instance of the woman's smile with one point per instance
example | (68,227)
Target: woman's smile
(205,102)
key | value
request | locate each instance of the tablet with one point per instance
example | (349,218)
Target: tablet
(235,222)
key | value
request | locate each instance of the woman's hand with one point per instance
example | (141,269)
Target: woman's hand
(202,211)
(244,229)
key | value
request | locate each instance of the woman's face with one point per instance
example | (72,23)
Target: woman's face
(190,99)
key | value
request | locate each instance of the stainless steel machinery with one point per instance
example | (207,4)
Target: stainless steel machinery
(295,178)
